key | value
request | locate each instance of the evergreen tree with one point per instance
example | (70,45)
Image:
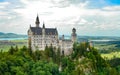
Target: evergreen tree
(30,51)
(1,50)
(51,51)
(24,48)
(16,48)
(47,51)
(58,56)
(11,50)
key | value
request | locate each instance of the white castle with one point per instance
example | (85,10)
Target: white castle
(40,37)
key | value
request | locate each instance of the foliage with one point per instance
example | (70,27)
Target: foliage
(84,60)
(98,65)
(21,63)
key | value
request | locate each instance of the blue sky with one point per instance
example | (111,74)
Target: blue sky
(89,17)
(113,2)
(1,0)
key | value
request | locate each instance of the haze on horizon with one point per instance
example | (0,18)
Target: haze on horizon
(89,17)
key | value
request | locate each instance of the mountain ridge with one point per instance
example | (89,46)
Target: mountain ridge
(11,35)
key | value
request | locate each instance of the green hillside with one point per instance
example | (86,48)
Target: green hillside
(84,60)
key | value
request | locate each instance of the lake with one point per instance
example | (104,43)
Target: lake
(13,38)
(102,40)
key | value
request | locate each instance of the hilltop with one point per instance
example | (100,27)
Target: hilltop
(11,35)
(84,60)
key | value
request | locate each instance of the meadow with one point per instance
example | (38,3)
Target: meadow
(107,49)
(111,55)
(6,44)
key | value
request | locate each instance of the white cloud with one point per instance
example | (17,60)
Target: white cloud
(107,27)
(4,3)
(61,14)
(112,8)
(1,7)
(82,22)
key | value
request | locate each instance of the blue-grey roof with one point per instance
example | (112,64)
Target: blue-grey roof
(48,31)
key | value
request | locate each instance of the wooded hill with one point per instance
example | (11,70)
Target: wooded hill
(84,60)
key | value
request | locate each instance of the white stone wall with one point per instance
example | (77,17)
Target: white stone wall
(66,46)
(39,42)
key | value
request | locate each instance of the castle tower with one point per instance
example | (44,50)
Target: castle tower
(73,35)
(37,21)
(43,36)
(62,37)
(29,37)
(43,25)
(43,30)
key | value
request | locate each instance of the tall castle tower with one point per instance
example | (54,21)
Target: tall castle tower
(74,35)
(37,21)
(43,35)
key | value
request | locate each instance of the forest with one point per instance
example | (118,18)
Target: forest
(84,60)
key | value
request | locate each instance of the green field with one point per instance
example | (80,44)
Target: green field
(104,46)
(107,50)
(5,45)
(111,55)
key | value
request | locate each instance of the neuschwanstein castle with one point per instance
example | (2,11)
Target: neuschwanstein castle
(39,37)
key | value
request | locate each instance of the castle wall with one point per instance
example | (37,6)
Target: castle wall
(39,42)
(66,46)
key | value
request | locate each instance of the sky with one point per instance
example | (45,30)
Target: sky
(89,17)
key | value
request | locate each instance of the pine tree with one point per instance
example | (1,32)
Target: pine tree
(58,57)
(24,48)
(16,48)
(47,52)
(11,50)
(51,51)
(30,51)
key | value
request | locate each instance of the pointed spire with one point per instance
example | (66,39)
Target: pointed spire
(37,21)
(62,37)
(43,25)
(30,25)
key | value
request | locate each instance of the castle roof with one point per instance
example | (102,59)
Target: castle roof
(48,31)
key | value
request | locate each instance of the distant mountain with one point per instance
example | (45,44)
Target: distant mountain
(98,38)
(11,35)
(1,33)
(81,38)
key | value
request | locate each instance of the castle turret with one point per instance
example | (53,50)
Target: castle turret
(43,25)
(29,37)
(37,21)
(73,35)
(43,35)
(62,37)
(43,30)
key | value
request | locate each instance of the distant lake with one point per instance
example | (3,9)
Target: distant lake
(102,40)
(13,38)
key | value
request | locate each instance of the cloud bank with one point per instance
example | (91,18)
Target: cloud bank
(89,17)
